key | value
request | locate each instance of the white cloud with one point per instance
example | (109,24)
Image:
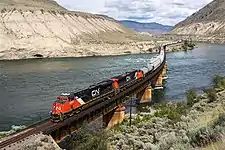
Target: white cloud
(161,11)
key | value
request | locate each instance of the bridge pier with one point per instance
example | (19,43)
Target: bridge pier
(159,82)
(162,76)
(145,95)
(114,117)
(164,72)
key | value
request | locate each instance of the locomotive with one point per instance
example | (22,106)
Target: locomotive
(67,104)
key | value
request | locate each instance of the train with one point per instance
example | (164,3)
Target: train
(68,104)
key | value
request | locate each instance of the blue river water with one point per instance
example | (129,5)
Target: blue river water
(28,87)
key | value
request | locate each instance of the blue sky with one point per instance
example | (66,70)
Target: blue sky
(167,12)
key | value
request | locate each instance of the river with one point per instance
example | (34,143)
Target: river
(28,87)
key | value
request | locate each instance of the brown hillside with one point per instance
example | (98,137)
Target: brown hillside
(30,28)
(210,20)
(31,4)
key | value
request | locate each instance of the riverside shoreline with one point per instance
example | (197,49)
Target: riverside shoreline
(170,127)
(112,50)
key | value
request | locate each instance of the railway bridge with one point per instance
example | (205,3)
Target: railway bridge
(109,105)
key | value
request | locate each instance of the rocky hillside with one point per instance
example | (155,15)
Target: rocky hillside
(208,21)
(42,28)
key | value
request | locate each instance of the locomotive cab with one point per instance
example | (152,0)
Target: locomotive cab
(64,106)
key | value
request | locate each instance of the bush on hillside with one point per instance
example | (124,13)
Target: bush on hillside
(211,94)
(191,96)
(87,139)
(204,135)
(218,81)
(171,111)
(220,121)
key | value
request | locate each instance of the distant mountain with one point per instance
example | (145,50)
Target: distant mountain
(152,27)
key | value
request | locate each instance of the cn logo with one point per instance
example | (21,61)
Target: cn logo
(128,78)
(95,92)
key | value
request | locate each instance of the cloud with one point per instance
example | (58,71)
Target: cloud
(162,11)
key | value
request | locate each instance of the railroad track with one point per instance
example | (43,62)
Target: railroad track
(22,134)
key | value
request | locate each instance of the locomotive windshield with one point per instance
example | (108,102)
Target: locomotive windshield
(64,98)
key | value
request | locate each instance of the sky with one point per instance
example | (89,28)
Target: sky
(167,12)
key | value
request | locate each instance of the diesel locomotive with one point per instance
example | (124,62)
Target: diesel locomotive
(67,104)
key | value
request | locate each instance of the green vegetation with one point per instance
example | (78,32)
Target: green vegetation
(207,134)
(218,81)
(211,93)
(171,110)
(87,139)
(188,45)
(191,96)
(172,125)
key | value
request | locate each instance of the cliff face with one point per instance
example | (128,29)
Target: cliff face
(46,32)
(208,21)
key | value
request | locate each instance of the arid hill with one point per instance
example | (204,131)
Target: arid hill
(31,4)
(207,22)
(42,28)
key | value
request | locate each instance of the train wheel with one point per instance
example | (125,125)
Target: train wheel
(72,113)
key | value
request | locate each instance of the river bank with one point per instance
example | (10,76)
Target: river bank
(196,124)
(86,49)
(194,38)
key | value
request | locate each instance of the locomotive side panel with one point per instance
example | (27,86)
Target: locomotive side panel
(100,88)
(126,78)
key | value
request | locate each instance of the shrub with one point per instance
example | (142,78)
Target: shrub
(87,139)
(191,96)
(207,134)
(184,47)
(218,81)
(203,136)
(188,45)
(220,121)
(211,94)
(171,111)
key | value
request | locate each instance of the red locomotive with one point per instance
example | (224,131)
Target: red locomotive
(64,106)
(67,105)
